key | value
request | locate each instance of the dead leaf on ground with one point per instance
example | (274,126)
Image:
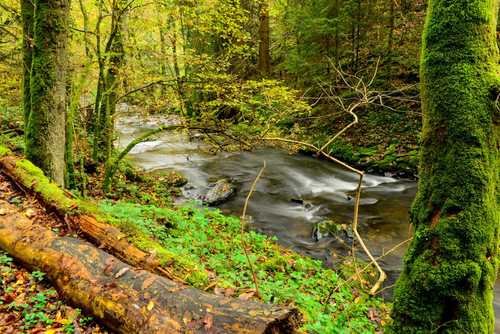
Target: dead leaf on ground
(109,268)
(152,255)
(187,317)
(194,325)
(228,291)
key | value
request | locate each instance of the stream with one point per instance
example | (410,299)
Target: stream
(294,192)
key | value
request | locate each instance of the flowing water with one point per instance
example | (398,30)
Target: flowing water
(294,192)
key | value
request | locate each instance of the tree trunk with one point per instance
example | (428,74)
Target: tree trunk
(45,130)
(110,88)
(390,38)
(131,301)
(452,262)
(27,14)
(264,58)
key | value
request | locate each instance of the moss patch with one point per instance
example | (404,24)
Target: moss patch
(4,151)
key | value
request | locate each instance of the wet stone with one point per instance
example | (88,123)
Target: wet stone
(220,192)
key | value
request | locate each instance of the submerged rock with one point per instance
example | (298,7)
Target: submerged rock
(337,230)
(221,191)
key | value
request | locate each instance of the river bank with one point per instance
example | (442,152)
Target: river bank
(333,301)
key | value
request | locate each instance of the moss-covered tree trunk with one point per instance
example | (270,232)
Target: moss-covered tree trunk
(28,12)
(452,262)
(110,92)
(45,123)
(108,83)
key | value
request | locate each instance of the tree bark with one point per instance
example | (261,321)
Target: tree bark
(264,57)
(46,126)
(452,262)
(390,38)
(115,47)
(130,301)
(27,15)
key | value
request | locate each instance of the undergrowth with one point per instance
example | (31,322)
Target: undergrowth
(213,241)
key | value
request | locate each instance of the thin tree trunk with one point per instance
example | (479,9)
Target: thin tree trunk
(264,57)
(27,15)
(94,120)
(46,125)
(390,38)
(85,27)
(116,48)
(452,261)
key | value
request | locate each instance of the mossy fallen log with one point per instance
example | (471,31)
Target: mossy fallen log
(129,300)
(98,226)
(32,179)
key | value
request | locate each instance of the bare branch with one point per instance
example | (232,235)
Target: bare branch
(242,234)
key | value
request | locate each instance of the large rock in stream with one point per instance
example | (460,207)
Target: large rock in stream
(221,191)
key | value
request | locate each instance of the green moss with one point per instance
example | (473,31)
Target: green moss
(4,151)
(451,264)
(90,208)
(277,263)
(183,267)
(32,175)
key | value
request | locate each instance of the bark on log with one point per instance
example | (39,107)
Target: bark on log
(123,299)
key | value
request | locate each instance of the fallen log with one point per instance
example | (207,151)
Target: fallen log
(85,217)
(129,300)
(32,180)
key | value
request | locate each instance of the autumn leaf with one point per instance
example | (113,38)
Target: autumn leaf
(246,296)
(187,317)
(150,306)
(110,266)
(139,274)
(228,291)
(225,301)
(209,320)
(152,255)
(147,283)
(121,272)
(54,331)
